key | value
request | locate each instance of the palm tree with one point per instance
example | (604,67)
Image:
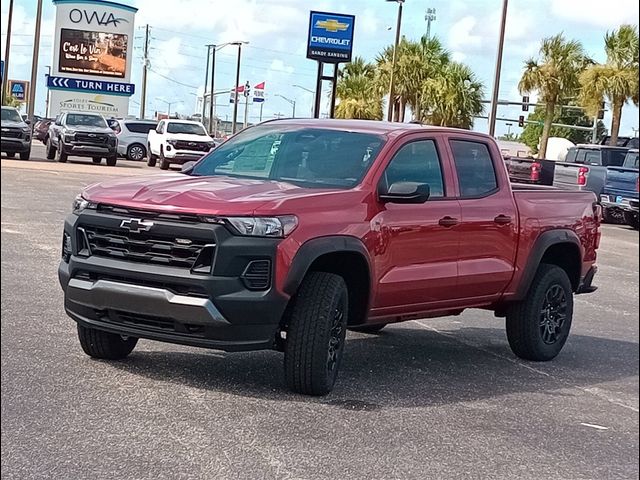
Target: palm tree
(453,98)
(555,76)
(616,80)
(357,91)
(416,62)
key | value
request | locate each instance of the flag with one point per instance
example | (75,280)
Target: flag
(258,93)
(232,97)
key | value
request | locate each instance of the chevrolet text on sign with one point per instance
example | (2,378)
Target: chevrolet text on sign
(330,37)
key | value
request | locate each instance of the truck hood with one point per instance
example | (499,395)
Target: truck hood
(215,195)
(9,123)
(88,129)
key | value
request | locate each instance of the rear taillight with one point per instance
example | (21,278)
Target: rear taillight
(582,176)
(535,172)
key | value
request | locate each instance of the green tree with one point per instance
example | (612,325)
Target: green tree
(416,62)
(11,101)
(555,75)
(453,97)
(533,131)
(616,80)
(358,92)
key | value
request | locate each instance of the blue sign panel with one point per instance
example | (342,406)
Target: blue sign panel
(330,37)
(95,86)
(18,89)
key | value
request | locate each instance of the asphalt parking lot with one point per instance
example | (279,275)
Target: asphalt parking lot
(437,398)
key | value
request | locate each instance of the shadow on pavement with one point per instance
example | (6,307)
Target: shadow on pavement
(403,367)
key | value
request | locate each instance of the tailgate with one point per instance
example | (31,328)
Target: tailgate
(566,175)
(622,181)
(519,169)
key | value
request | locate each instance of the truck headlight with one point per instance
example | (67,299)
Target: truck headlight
(79,204)
(26,129)
(69,137)
(274,227)
(172,142)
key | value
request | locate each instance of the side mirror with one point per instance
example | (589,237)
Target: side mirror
(187,167)
(27,121)
(405,192)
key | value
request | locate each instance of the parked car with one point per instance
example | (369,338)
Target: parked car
(15,134)
(585,167)
(620,188)
(345,225)
(132,138)
(530,170)
(177,141)
(629,142)
(41,129)
(82,134)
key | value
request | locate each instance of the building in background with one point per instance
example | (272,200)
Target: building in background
(93,49)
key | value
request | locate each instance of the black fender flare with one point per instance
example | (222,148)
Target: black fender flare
(313,249)
(542,244)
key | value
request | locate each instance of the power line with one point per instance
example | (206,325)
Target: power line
(172,80)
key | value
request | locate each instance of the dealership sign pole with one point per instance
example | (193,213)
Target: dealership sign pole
(93,48)
(330,41)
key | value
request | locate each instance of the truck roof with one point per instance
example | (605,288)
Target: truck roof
(370,126)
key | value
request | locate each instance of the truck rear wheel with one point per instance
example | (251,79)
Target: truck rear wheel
(105,345)
(316,334)
(538,326)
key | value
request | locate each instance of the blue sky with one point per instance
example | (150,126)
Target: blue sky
(276,30)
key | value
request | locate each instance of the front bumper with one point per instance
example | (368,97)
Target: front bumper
(89,150)
(15,144)
(615,201)
(171,304)
(182,156)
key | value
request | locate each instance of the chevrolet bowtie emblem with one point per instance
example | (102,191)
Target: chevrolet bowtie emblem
(136,225)
(332,25)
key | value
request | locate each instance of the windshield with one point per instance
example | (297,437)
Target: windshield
(188,128)
(631,160)
(86,120)
(289,153)
(10,115)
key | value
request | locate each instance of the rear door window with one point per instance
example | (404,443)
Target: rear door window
(571,155)
(614,158)
(592,157)
(137,127)
(581,155)
(475,168)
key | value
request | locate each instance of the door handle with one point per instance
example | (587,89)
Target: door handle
(502,219)
(448,222)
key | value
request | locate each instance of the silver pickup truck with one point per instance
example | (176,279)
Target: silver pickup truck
(585,167)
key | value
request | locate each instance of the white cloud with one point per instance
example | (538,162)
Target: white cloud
(608,14)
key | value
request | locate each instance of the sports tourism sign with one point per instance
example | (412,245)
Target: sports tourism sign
(330,37)
(93,48)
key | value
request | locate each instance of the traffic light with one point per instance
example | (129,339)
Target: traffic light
(525,103)
(521,121)
(601,111)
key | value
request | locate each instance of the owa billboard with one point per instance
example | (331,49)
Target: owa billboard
(330,37)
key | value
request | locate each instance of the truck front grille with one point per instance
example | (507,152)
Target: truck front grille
(92,138)
(141,247)
(192,146)
(11,132)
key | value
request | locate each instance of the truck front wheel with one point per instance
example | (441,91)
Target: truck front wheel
(316,334)
(105,345)
(151,158)
(164,163)
(538,326)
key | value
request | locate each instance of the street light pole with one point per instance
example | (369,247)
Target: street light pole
(509,125)
(34,63)
(306,90)
(290,102)
(430,16)
(7,51)
(213,98)
(496,79)
(393,63)
(46,109)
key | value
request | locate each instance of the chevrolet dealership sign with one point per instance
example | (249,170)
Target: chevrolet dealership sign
(330,37)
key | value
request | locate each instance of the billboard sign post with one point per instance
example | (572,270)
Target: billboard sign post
(93,50)
(330,40)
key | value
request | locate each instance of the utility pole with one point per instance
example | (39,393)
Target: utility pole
(7,50)
(206,83)
(143,95)
(234,120)
(496,78)
(213,98)
(246,93)
(34,63)
(393,62)
(594,132)
(430,16)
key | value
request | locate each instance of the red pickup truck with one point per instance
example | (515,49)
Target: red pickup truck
(294,231)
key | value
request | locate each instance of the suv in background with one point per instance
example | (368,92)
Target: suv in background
(177,141)
(132,138)
(82,134)
(16,134)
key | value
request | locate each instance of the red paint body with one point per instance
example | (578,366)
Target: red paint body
(418,266)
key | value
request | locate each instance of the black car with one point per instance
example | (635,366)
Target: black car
(82,135)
